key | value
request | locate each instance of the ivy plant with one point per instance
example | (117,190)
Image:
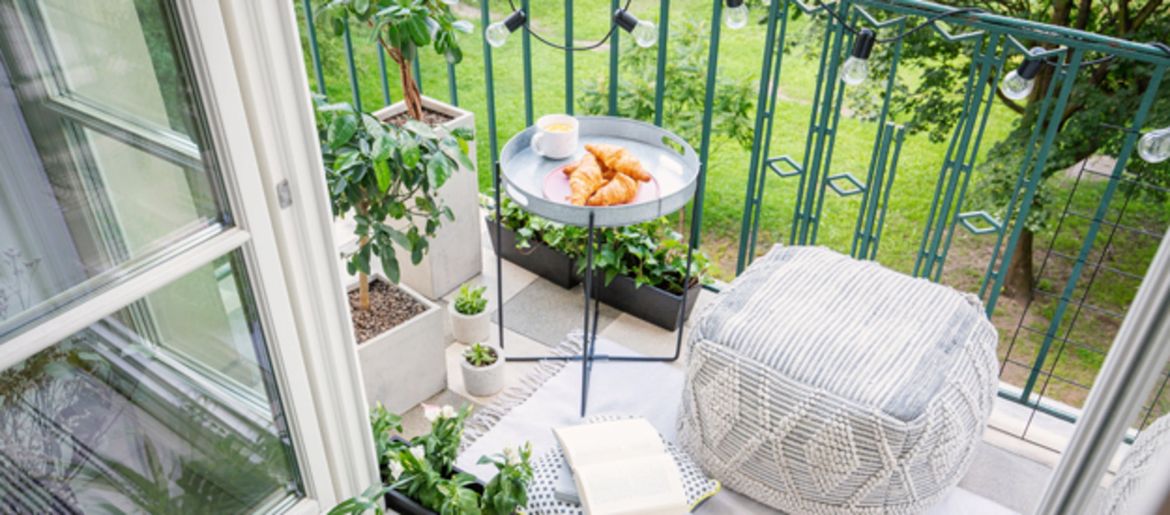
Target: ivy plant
(388,178)
(402,27)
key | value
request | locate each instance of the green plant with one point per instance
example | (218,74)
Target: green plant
(508,490)
(651,253)
(480,355)
(471,301)
(684,92)
(423,468)
(401,27)
(382,172)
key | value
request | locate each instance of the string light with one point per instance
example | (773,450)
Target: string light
(1018,84)
(1154,147)
(856,67)
(644,32)
(736,15)
(497,33)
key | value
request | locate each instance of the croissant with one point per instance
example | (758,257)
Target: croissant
(618,159)
(586,178)
(619,190)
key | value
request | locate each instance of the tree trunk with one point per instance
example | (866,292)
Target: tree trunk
(410,93)
(1018,283)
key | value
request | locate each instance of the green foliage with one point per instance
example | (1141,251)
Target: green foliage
(509,489)
(471,301)
(423,468)
(651,253)
(405,25)
(480,355)
(381,172)
(684,93)
(929,97)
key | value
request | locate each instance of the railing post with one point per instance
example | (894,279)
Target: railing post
(708,104)
(314,50)
(489,86)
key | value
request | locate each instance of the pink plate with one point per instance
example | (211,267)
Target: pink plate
(556,188)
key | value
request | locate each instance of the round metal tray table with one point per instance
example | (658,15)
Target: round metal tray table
(522,173)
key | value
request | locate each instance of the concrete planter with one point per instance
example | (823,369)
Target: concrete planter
(484,381)
(407,364)
(455,252)
(469,328)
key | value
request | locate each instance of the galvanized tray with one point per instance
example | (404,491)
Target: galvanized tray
(672,162)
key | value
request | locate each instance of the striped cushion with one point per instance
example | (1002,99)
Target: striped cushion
(852,328)
(822,384)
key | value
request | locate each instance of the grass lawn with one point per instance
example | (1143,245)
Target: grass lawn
(740,57)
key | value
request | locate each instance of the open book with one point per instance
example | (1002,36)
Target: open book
(621,467)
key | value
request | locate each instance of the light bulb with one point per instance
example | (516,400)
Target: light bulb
(1016,87)
(736,17)
(645,34)
(766,3)
(856,68)
(1018,84)
(854,71)
(451,2)
(1154,147)
(497,33)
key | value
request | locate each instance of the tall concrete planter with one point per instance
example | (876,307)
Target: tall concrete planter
(455,254)
(407,364)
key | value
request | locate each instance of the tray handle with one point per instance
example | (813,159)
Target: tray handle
(674,143)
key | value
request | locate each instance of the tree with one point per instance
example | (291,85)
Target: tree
(1106,93)
(401,27)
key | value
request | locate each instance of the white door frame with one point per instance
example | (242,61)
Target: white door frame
(247,63)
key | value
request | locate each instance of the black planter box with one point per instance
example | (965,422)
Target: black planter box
(539,259)
(649,303)
(400,503)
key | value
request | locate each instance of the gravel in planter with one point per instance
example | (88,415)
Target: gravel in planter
(389,307)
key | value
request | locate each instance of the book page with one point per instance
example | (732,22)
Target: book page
(645,486)
(608,441)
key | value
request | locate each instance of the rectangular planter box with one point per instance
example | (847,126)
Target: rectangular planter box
(539,259)
(407,364)
(400,503)
(652,304)
(454,254)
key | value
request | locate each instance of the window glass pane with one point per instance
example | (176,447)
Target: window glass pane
(115,55)
(107,173)
(166,407)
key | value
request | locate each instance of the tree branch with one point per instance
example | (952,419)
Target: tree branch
(1142,15)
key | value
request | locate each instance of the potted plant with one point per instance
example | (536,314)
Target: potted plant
(419,476)
(402,28)
(483,370)
(469,317)
(546,248)
(640,269)
(380,174)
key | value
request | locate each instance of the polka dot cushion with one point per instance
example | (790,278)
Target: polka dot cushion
(546,468)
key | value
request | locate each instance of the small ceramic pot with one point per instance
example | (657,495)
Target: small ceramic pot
(469,329)
(484,381)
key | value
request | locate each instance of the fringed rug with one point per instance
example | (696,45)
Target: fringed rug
(550,397)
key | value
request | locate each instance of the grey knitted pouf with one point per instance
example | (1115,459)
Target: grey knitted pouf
(822,384)
(1135,467)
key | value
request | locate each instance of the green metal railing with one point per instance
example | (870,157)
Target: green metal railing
(989,41)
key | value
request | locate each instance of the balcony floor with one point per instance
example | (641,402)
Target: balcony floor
(1007,470)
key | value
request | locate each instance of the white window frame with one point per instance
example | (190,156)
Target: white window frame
(248,67)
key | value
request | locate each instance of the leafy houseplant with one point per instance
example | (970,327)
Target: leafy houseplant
(381,172)
(469,317)
(483,370)
(402,27)
(626,259)
(420,476)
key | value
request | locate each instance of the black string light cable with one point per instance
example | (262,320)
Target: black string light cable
(644,32)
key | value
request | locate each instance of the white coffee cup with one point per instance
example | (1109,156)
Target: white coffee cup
(556,136)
